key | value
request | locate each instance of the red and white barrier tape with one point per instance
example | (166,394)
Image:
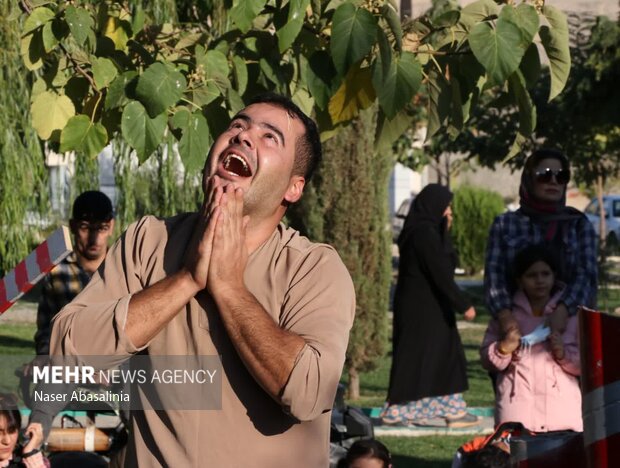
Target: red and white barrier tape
(28,272)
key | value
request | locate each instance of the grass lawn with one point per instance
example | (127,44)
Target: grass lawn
(16,348)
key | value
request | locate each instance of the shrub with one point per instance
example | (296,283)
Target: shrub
(474,210)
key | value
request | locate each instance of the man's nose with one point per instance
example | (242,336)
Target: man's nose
(244,138)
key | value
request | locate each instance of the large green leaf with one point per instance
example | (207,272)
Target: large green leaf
(243,12)
(393,20)
(195,140)
(527,110)
(303,100)
(353,34)
(499,50)
(215,66)
(355,93)
(203,95)
(530,66)
(160,87)
(555,41)
(50,112)
(526,17)
(32,50)
(80,23)
(49,38)
(38,18)
(400,84)
(388,131)
(117,91)
(141,132)
(475,13)
(83,136)
(288,33)
(104,71)
(439,100)
(319,75)
(241,73)
(383,61)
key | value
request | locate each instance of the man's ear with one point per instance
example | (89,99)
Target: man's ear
(295,189)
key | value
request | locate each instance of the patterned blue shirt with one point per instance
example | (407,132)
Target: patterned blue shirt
(513,231)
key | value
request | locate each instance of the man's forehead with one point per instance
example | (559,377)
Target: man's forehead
(273,114)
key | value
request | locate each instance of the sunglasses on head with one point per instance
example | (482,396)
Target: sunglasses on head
(544,176)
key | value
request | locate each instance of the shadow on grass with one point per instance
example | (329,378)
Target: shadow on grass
(13,342)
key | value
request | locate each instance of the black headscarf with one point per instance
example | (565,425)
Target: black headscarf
(426,211)
(550,213)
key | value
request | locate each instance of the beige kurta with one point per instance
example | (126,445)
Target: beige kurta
(304,286)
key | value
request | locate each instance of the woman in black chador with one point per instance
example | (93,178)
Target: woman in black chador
(428,373)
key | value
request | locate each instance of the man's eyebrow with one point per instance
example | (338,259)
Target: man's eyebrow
(273,128)
(276,130)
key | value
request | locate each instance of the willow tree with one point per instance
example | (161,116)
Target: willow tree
(106,71)
(22,170)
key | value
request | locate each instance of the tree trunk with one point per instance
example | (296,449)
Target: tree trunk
(601,207)
(353,392)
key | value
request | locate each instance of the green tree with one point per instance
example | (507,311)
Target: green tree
(22,170)
(346,206)
(108,70)
(474,211)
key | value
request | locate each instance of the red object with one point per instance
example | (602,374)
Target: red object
(29,271)
(600,366)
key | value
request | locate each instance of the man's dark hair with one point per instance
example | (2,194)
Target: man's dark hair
(308,150)
(92,206)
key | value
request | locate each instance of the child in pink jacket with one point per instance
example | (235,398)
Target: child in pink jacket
(539,387)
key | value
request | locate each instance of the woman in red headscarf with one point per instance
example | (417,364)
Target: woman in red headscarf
(542,219)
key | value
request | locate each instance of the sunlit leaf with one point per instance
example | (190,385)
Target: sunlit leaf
(104,71)
(50,112)
(195,140)
(244,12)
(38,18)
(117,91)
(241,73)
(355,93)
(159,87)
(288,33)
(80,23)
(83,136)
(141,132)
(33,50)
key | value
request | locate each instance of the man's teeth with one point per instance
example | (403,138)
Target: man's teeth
(232,162)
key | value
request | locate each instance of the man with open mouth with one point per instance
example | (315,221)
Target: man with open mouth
(235,282)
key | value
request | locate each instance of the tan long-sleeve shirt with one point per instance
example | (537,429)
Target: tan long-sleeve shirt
(304,286)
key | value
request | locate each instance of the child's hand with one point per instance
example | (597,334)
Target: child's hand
(470,314)
(507,322)
(511,342)
(557,346)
